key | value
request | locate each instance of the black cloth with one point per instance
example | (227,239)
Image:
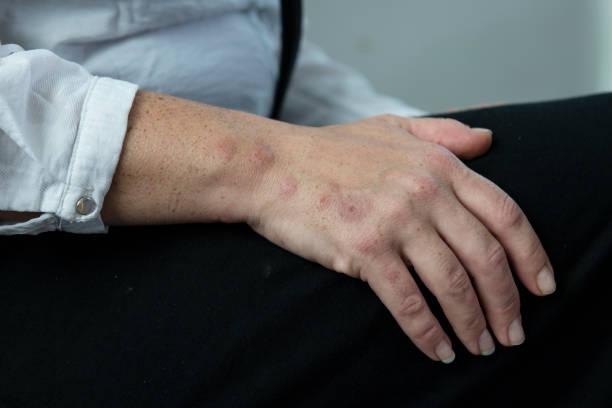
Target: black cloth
(215,315)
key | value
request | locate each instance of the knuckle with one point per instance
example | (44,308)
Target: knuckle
(458,282)
(511,304)
(510,214)
(495,258)
(388,117)
(474,323)
(442,158)
(429,333)
(422,186)
(534,253)
(411,306)
(398,209)
(393,175)
(387,120)
(370,244)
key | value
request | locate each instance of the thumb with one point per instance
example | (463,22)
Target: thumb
(463,141)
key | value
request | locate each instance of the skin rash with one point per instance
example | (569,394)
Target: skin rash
(288,187)
(227,149)
(262,156)
(353,209)
(350,207)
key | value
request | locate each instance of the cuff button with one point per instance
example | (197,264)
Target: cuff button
(85,205)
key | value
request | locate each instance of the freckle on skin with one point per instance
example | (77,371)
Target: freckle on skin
(174,203)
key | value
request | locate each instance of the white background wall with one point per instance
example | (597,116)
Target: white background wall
(439,54)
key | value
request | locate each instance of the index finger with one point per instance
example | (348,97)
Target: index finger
(507,222)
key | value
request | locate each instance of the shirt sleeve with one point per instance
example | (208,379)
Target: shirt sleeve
(61,135)
(325,92)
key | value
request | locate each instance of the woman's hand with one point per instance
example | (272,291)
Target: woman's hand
(369,198)
(364,199)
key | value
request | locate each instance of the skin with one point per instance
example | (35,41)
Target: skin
(365,199)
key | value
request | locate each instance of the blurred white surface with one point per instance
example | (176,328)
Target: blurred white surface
(439,54)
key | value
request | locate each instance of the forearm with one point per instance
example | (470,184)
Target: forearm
(184,161)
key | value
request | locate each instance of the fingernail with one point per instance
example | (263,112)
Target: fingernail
(546,281)
(516,333)
(486,344)
(486,131)
(445,353)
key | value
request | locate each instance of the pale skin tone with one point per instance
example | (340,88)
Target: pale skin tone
(365,199)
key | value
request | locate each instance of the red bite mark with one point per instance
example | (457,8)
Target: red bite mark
(288,187)
(227,149)
(353,209)
(323,203)
(262,156)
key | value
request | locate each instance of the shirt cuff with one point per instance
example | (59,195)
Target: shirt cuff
(43,223)
(95,155)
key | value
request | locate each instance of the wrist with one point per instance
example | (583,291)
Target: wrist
(184,161)
(255,171)
(278,179)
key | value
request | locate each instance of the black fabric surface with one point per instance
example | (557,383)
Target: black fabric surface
(214,315)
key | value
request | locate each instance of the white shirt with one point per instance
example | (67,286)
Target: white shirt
(64,102)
